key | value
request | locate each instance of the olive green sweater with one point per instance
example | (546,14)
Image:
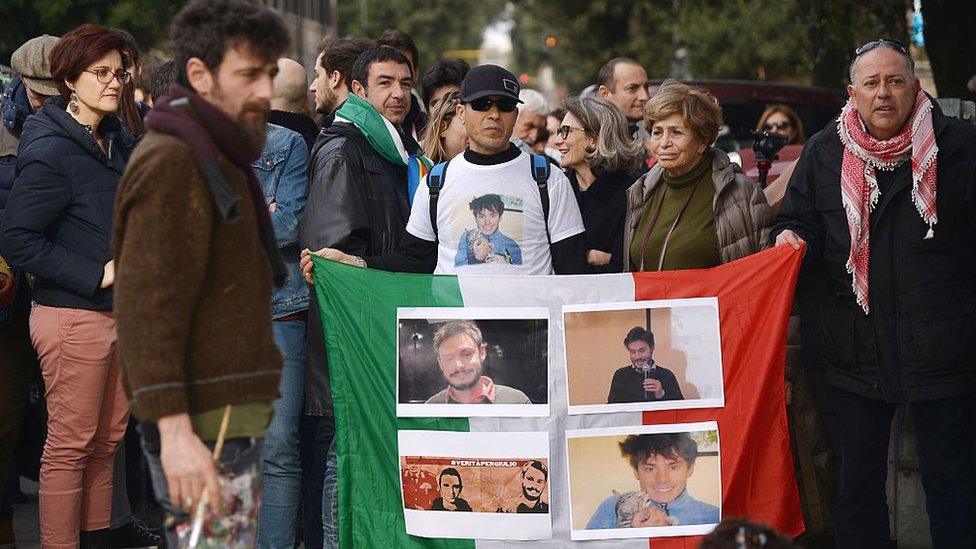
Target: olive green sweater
(741,219)
(684,203)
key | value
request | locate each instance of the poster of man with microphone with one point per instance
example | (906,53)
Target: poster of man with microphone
(643,356)
(643,380)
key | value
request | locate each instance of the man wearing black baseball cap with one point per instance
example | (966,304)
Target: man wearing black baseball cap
(540,211)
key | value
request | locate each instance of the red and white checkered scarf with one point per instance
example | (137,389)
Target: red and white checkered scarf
(863,155)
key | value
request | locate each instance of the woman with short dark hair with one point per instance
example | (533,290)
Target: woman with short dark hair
(601,159)
(694,209)
(58,228)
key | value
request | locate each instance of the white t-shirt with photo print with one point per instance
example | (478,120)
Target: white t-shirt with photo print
(511,243)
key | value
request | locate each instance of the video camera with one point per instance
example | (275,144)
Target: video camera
(766,145)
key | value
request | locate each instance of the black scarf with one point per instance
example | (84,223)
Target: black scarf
(209,133)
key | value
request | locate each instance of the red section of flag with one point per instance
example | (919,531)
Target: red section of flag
(754,298)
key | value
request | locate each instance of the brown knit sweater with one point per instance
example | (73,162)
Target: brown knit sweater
(192,291)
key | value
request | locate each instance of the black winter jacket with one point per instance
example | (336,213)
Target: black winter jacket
(919,341)
(357,203)
(15,108)
(604,208)
(58,222)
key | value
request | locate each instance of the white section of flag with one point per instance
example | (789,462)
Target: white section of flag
(506,291)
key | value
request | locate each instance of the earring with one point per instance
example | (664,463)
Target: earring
(73,103)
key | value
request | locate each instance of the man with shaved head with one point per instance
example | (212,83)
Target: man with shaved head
(289,102)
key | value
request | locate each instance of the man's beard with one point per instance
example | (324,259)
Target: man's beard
(529,496)
(253,121)
(330,103)
(472,383)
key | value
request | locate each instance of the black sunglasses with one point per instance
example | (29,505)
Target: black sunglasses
(504,104)
(778,125)
(871,44)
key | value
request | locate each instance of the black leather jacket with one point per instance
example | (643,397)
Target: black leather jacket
(919,341)
(357,203)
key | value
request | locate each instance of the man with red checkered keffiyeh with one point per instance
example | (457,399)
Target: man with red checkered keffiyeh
(884,200)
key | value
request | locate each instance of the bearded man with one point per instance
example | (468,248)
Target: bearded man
(196,262)
(535,475)
(461,353)
(885,201)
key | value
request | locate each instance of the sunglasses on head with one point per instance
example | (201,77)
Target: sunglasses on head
(504,104)
(871,44)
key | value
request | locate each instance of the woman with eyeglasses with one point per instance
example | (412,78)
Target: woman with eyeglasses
(694,209)
(57,227)
(601,160)
(445,136)
(781,119)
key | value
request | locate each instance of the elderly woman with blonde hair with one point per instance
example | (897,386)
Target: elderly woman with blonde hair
(601,160)
(694,209)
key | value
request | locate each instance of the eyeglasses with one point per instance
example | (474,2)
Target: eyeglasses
(785,125)
(563,131)
(105,76)
(871,44)
(504,104)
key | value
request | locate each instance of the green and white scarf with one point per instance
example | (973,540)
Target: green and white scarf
(385,139)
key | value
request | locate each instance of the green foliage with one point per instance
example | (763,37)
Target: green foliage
(436,26)
(804,41)
(590,32)
(744,39)
(147,20)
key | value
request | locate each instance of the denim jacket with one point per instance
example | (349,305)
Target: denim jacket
(282,170)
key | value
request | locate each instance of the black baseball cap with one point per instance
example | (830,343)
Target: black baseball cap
(488,80)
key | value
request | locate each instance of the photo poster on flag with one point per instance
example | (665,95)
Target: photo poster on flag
(612,348)
(359,310)
(486,485)
(502,350)
(678,490)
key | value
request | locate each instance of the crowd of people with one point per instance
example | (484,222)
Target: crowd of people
(150,215)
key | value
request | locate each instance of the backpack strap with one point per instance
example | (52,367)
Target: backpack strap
(540,172)
(435,182)
(413,176)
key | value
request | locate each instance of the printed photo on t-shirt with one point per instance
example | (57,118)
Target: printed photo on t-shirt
(488,229)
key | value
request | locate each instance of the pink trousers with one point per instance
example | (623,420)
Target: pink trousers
(87,415)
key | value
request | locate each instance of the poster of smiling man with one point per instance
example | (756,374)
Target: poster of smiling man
(645,481)
(471,362)
(475,485)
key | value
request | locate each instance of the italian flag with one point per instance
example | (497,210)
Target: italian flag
(359,312)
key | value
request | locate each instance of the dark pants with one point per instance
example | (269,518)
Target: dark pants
(317,433)
(18,364)
(943,430)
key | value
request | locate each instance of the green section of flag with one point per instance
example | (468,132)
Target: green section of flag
(358,308)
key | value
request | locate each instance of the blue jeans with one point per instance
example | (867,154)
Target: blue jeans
(330,500)
(281,466)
